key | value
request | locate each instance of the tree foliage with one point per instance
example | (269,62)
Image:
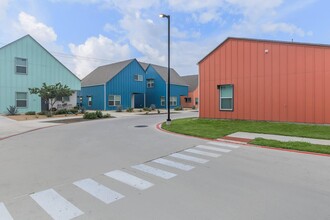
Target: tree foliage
(50,93)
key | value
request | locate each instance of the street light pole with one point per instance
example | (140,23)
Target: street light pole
(168,121)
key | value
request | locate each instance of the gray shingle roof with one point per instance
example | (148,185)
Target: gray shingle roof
(105,73)
(191,81)
(175,77)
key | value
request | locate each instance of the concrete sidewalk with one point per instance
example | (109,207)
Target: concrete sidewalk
(247,135)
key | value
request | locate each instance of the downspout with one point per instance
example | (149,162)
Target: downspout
(105,98)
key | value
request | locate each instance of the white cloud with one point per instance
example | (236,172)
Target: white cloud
(97,47)
(283,27)
(28,24)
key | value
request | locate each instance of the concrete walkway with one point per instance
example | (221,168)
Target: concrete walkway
(247,135)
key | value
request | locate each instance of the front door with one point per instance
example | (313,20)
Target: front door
(44,105)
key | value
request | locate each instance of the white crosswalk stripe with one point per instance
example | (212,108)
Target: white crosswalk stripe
(129,179)
(4,213)
(99,191)
(189,158)
(204,153)
(222,144)
(213,148)
(170,163)
(154,171)
(55,205)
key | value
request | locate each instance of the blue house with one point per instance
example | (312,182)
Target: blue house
(109,86)
(156,79)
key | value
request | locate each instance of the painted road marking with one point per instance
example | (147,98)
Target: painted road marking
(194,151)
(173,164)
(129,179)
(99,191)
(55,205)
(213,148)
(4,213)
(189,158)
(154,171)
(221,144)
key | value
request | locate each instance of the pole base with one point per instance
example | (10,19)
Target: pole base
(168,122)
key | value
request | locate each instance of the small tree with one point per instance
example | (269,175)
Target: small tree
(51,92)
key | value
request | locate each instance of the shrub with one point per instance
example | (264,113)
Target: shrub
(30,113)
(178,108)
(107,115)
(119,108)
(49,114)
(12,110)
(90,115)
(146,109)
(158,111)
(129,110)
(152,107)
(41,113)
(99,114)
(73,110)
(82,110)
(193,107)
(61,112)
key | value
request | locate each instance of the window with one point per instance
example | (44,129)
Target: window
(66,99)
(138,77)
(150,83)
(196,101)
(20,65)
(21,99)
(162,100)
(114,100)
(173,101)
(187,100)
(226,97)
(90,100)
(80,98)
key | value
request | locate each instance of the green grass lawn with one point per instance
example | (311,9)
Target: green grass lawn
(301,146)
(210,128)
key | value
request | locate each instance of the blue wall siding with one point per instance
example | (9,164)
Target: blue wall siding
(154,94)
(124,84)
(97,93)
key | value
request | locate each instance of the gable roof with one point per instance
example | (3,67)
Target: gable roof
(29,36)
(191,81)
(175,77)
(103,74)
(262,40)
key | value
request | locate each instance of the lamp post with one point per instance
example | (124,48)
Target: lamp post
(168,121)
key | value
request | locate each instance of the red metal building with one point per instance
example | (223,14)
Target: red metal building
(266,80)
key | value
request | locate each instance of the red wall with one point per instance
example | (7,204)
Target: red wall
(193,95)
(289,83)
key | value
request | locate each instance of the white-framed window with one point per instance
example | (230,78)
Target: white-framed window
(173,101)
(20,65)
(66,99)
(226,97)
(196,101)
(150,83)
(162,100)
(187,99)
(114,100)
(138,77)
(89,100)
(21,99)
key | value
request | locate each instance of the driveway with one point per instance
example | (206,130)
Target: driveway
(118,169)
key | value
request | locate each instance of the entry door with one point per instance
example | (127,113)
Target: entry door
(44,105)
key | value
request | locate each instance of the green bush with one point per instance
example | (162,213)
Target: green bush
(73,111)
(99,114)
(90,115)
(107,115)
(61,112)
(12,110)
(49,114)
(129,110)
(178,108)
(193,107)
(30,113)
(41,113)
(146,109)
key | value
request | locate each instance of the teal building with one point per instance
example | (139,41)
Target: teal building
(24,64)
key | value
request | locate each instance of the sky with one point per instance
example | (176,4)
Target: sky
(84,34)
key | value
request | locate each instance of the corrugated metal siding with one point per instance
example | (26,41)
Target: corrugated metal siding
(123,84)
(154,94)
(289,83)
(42,67)
(97,93)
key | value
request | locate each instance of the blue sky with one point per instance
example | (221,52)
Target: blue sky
(84,34)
